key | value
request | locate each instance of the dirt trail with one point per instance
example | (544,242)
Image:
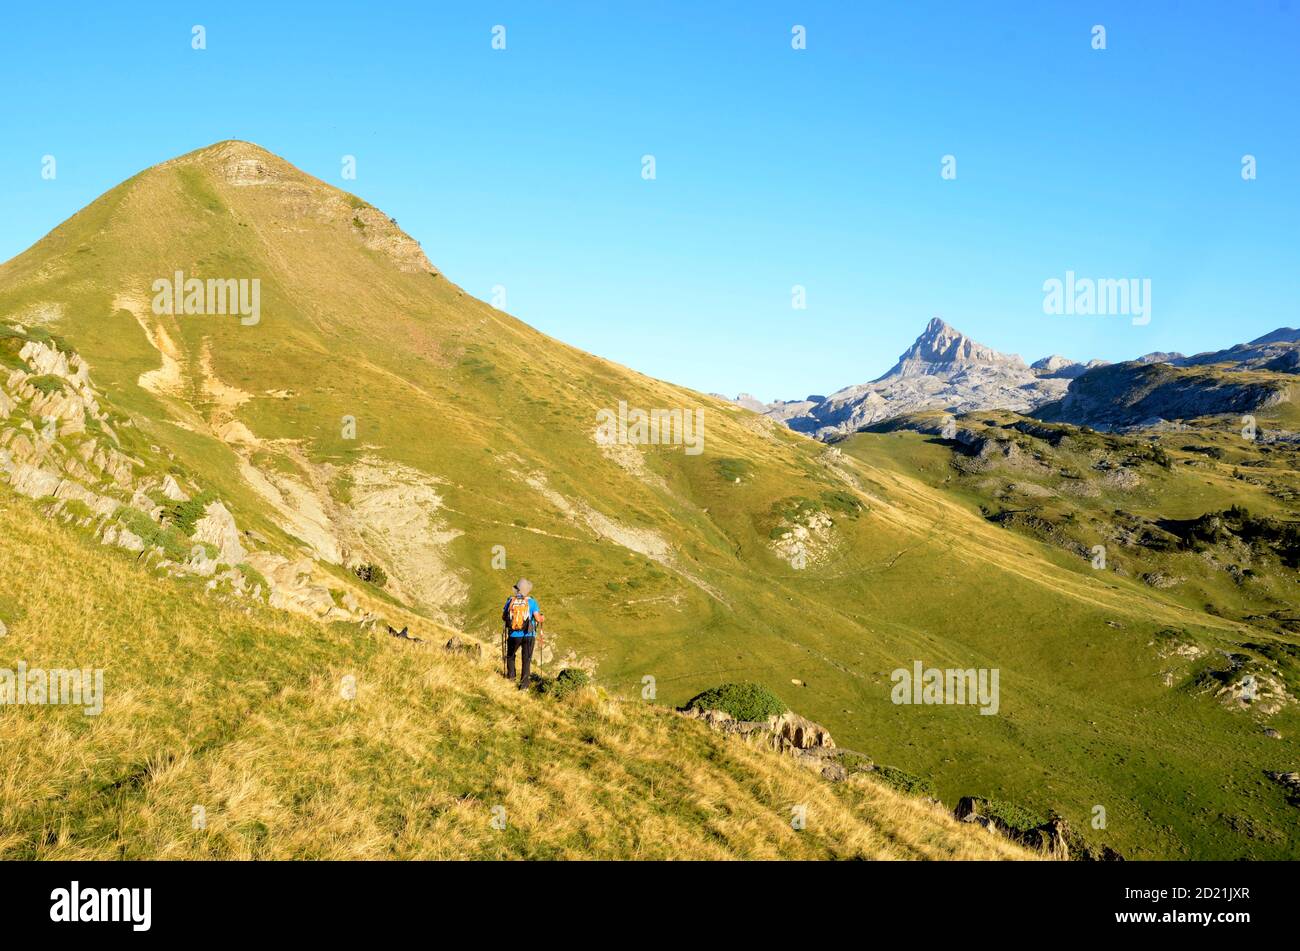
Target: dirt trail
(169,378)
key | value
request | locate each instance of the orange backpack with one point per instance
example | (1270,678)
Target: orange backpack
(520,617)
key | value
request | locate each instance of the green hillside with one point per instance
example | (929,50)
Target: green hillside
(766,557)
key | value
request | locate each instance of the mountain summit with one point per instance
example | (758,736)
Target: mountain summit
(942,349)
(943,369)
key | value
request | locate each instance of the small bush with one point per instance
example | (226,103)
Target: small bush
(567,681)
(77,509)
(185,515)
(734,470)
(744,701)
(47,384)
(371,574)
(904,781)
(1012,816)
(841,501)
(175,546)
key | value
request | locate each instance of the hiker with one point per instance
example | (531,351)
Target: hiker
(522,618)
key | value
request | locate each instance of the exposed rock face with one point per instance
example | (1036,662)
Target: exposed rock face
(750,403)
(1059,367)
(82,473)
(99,505)
(33,482)
(809,743)
(1278,351)
(805,542)
(1054,837)
(1137,394)
(115,534)
(1288,781)
(800,733)
(941,350)
(243,164)
(943,369)
(217,528)
(172,490)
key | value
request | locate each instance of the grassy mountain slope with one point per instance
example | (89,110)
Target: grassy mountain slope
(239,710)
(767,557)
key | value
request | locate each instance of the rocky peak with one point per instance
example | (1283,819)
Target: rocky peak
(943,349)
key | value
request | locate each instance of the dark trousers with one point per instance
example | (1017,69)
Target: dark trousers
(525,647)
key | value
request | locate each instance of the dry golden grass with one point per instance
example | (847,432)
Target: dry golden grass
(240,711)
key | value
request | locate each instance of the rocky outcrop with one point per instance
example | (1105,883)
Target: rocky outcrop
(1052,837)
(1137,394)
(809,743)
(1289,782)
(217,528)
(294,587)
(76,466)
(31,481)
(1278,351)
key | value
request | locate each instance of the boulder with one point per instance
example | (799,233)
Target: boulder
(217,528)
(98,504)
(122,537)
(33,482)
(172,490)
(800,733)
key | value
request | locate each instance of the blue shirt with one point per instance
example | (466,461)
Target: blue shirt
(532,617)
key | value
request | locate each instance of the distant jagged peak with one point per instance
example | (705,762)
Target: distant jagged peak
(942,348)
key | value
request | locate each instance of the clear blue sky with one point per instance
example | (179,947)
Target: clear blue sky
(775,167)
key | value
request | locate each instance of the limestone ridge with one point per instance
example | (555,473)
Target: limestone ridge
(943,368)
(946,370)
(943,350)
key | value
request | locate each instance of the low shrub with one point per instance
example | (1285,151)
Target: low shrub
(566,682)
(904,781)
(371,574)
(744,701)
